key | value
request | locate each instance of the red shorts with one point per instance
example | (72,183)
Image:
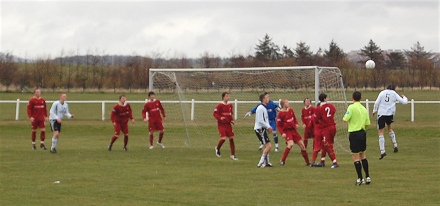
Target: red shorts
(155,126)
(225,130)
(308,133)
(121,127)
(328,135)
(317,141)
(292,135)
(38,124)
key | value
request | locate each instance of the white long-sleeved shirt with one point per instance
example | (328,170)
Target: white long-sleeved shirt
(261,118)
(58,111)
(386,102)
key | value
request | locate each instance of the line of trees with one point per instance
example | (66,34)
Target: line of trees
(95,70)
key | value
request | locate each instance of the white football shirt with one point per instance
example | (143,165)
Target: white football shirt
(261,118)
(386,102)
(58,111)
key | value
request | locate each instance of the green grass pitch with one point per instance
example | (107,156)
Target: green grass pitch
(192,175)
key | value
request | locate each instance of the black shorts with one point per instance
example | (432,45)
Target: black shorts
(262,136)
(384,120)
(358,141)
(54,125)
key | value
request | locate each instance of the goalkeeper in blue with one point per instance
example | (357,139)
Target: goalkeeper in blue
(272,109)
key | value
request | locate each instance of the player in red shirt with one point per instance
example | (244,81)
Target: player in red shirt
(37,113)
(317,141)
(152,113)
(121,113)
(287,125)
(325,117)
(306,117)
(223,114)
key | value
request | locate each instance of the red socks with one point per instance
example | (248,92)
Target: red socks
(220,143)
(114,138)
(160,137)
(331,154)
(231,143)
(286,153)
(323,153)
(42,135)
(125,141)
(151,139)
(305,143)
(314,155)
(305,156)
(34,136)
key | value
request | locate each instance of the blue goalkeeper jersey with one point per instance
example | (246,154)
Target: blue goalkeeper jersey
(271,110)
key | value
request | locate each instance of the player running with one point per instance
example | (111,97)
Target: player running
(306,116)
(385,107)
(120,115)
(37,113)
(58,110)
(287,125)
(152,113)
(272,109)
(260,127)
(223,114)
(325,117)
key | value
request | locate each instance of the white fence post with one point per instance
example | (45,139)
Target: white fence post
(192,109)
(412,110)
(235,109)
(103,110)
(367,107)
(17,110)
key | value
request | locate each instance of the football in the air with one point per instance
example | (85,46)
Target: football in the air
(370,64)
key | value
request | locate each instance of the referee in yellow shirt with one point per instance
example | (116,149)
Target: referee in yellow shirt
(357,118)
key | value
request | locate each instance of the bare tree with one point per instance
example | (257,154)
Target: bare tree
(8,69)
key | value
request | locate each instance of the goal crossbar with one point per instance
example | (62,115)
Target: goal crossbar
(318,69)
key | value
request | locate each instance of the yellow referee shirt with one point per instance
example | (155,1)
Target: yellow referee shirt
(357,117)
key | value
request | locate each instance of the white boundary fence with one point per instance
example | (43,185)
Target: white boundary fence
(193,102)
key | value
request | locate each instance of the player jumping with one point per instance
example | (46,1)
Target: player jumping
(385,107)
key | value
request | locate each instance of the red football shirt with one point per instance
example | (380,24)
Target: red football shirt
(223,110)
(36,108)
(121,113)
(154,108)
(306,115)
(286,120)
(325,115)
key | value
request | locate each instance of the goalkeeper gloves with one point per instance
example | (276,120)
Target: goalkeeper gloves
(248,114)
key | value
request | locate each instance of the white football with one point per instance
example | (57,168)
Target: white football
(370,64)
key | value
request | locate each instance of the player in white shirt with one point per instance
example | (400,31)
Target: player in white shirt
(261,126)
(58,110)
(385,107)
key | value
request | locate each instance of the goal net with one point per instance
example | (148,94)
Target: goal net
(189,96)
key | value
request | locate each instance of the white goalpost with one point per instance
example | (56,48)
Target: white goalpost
(190,94)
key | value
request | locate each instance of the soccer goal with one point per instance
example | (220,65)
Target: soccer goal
(190,95)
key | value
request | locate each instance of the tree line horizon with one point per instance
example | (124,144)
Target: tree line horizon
(414,67)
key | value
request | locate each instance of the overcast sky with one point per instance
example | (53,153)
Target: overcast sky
(224,28)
